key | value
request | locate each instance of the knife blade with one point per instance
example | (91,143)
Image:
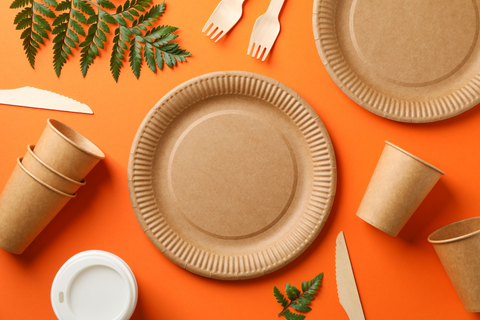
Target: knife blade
(346,285)
(41,99)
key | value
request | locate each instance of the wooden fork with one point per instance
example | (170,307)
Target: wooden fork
(266,30)
(225,16)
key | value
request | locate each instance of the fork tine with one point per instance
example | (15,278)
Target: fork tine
(260,51)
(207,25)
(211,30)
(216,33)
(250,45)
(267,51)
(255,49)
(223,33)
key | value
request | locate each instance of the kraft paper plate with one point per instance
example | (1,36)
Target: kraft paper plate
(407,60)
(232,175)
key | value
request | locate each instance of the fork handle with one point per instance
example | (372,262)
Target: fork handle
(274,7)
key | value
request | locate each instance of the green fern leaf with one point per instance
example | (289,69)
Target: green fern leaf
(126,31)
(98,42)
(60,28)
(107,18)
(116,58)
(61,19)
(79,16)
(307,296)
(141,40)
(72,35)
(293,316)
(77,27)
(101,35)
(42,22)
(84,6)
(121,21)
(304,286)
(34,43)
(25,23)
(303,300)
(30,50)
(38,29)
(136,31)
(169,60)
(139,8)
(43,10)
(37,38)
(70,42)
(149,57)
(133,12)
(26,13)
(159,58)
(62,6)
(280,297)
(165,39)
(92,19)
(106,4)
(25,33)
(103,26)
(20,4)
(135,57)
(52,3)
(300,307)
(127,16)
(292,291)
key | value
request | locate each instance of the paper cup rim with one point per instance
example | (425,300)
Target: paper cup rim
(19,162)
(414,157)
(100,154)
(465,236)
(30,148)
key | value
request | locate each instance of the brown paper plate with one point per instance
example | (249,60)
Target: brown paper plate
(408,60)
(232,175)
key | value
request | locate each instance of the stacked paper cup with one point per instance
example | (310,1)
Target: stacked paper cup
(42,183)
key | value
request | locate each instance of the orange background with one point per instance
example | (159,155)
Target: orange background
(398,278)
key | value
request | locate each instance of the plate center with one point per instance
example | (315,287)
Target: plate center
(414,43)
(232,175)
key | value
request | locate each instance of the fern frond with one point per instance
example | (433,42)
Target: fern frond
(141,40)
(293,316)
(26,13)
(300,307)
(62,42)
(280,297)
(43,10)
(150,57)
(117,57)
(135,56)
(20,4)
(64,5)
(52,3)
(84,6)
(106,4)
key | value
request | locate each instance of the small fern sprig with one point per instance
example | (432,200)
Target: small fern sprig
(134,33)
(299,301)
(31,19)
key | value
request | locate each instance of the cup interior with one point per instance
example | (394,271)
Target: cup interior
(456,231)
(75,138)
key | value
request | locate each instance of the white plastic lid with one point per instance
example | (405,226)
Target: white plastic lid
(94,285)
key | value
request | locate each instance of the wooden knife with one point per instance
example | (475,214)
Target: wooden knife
(346,286)
(41,99)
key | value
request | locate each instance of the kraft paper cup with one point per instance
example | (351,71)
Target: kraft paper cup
(458,247)
(398,185)
(67,151)
(27,205)
(49,175)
